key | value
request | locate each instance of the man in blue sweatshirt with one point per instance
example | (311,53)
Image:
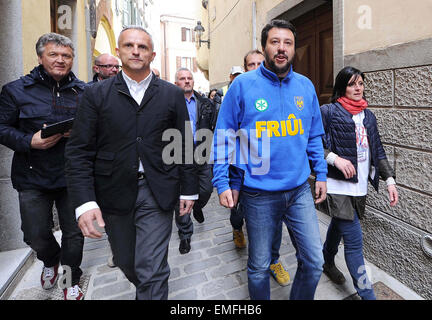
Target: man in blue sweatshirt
(269,126)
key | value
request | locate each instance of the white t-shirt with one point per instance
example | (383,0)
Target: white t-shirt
(335,186)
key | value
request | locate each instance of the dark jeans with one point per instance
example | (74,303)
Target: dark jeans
(237,218)
(205,175)
(184,223)
(139,242)
(351,233)
(37,222)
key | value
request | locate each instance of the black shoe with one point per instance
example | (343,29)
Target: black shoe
(333,273)
(198,215)
(184,246)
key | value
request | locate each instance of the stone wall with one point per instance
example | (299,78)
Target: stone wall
(401,99)
(11,55)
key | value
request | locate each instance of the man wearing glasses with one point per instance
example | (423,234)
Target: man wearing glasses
(105,67)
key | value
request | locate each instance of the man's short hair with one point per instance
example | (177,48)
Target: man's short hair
(56,38)
(255,51)
(276,23)
(135,27)
(99,57)
(182,69)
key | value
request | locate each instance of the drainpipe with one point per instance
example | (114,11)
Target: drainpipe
(165,51)
(89,45)
(208,22)
(254,43)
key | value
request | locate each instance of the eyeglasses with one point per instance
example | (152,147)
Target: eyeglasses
(109,66)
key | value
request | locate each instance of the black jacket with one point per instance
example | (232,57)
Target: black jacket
(206,112)
(340,138)
(206,119)
(95,79)
(111,132)
(25,105)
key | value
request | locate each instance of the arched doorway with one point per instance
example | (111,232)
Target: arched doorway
(105,39)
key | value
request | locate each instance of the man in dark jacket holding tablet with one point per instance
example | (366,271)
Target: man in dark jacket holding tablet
(49,94)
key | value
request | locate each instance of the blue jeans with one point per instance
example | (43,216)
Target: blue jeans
(264,212)
(351,232)
(236,219)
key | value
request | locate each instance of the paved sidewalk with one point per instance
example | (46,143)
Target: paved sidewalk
(213,269)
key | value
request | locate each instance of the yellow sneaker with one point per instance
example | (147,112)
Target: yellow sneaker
(278,272)
(239,239)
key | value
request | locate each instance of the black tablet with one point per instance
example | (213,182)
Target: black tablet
(58,127)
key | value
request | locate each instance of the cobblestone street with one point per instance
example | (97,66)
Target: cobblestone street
(214,269)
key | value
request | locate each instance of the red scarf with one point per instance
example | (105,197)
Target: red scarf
(353,107)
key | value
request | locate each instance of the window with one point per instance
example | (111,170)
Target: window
(117,7)
(130,13)
(133,13)
(186,62)
(126,12)
(187,35)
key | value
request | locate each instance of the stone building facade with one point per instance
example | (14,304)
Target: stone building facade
(400,94)
(22,23)
(391,41)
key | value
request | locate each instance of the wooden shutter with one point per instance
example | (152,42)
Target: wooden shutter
(183,34)
(178,63)
(194,64)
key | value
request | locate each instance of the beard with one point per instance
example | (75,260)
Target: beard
(271,65)
(103,76)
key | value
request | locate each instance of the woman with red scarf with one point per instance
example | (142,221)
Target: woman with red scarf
(354,155)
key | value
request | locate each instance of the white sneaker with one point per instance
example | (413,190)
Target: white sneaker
(73,293)
(49,277)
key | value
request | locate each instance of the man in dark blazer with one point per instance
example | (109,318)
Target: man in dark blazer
(202,113)
(115,171)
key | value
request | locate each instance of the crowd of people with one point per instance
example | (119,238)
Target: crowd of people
(109,170)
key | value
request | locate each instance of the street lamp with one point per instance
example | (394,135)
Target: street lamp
(199,29)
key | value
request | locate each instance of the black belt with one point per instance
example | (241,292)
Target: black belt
(141,175)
